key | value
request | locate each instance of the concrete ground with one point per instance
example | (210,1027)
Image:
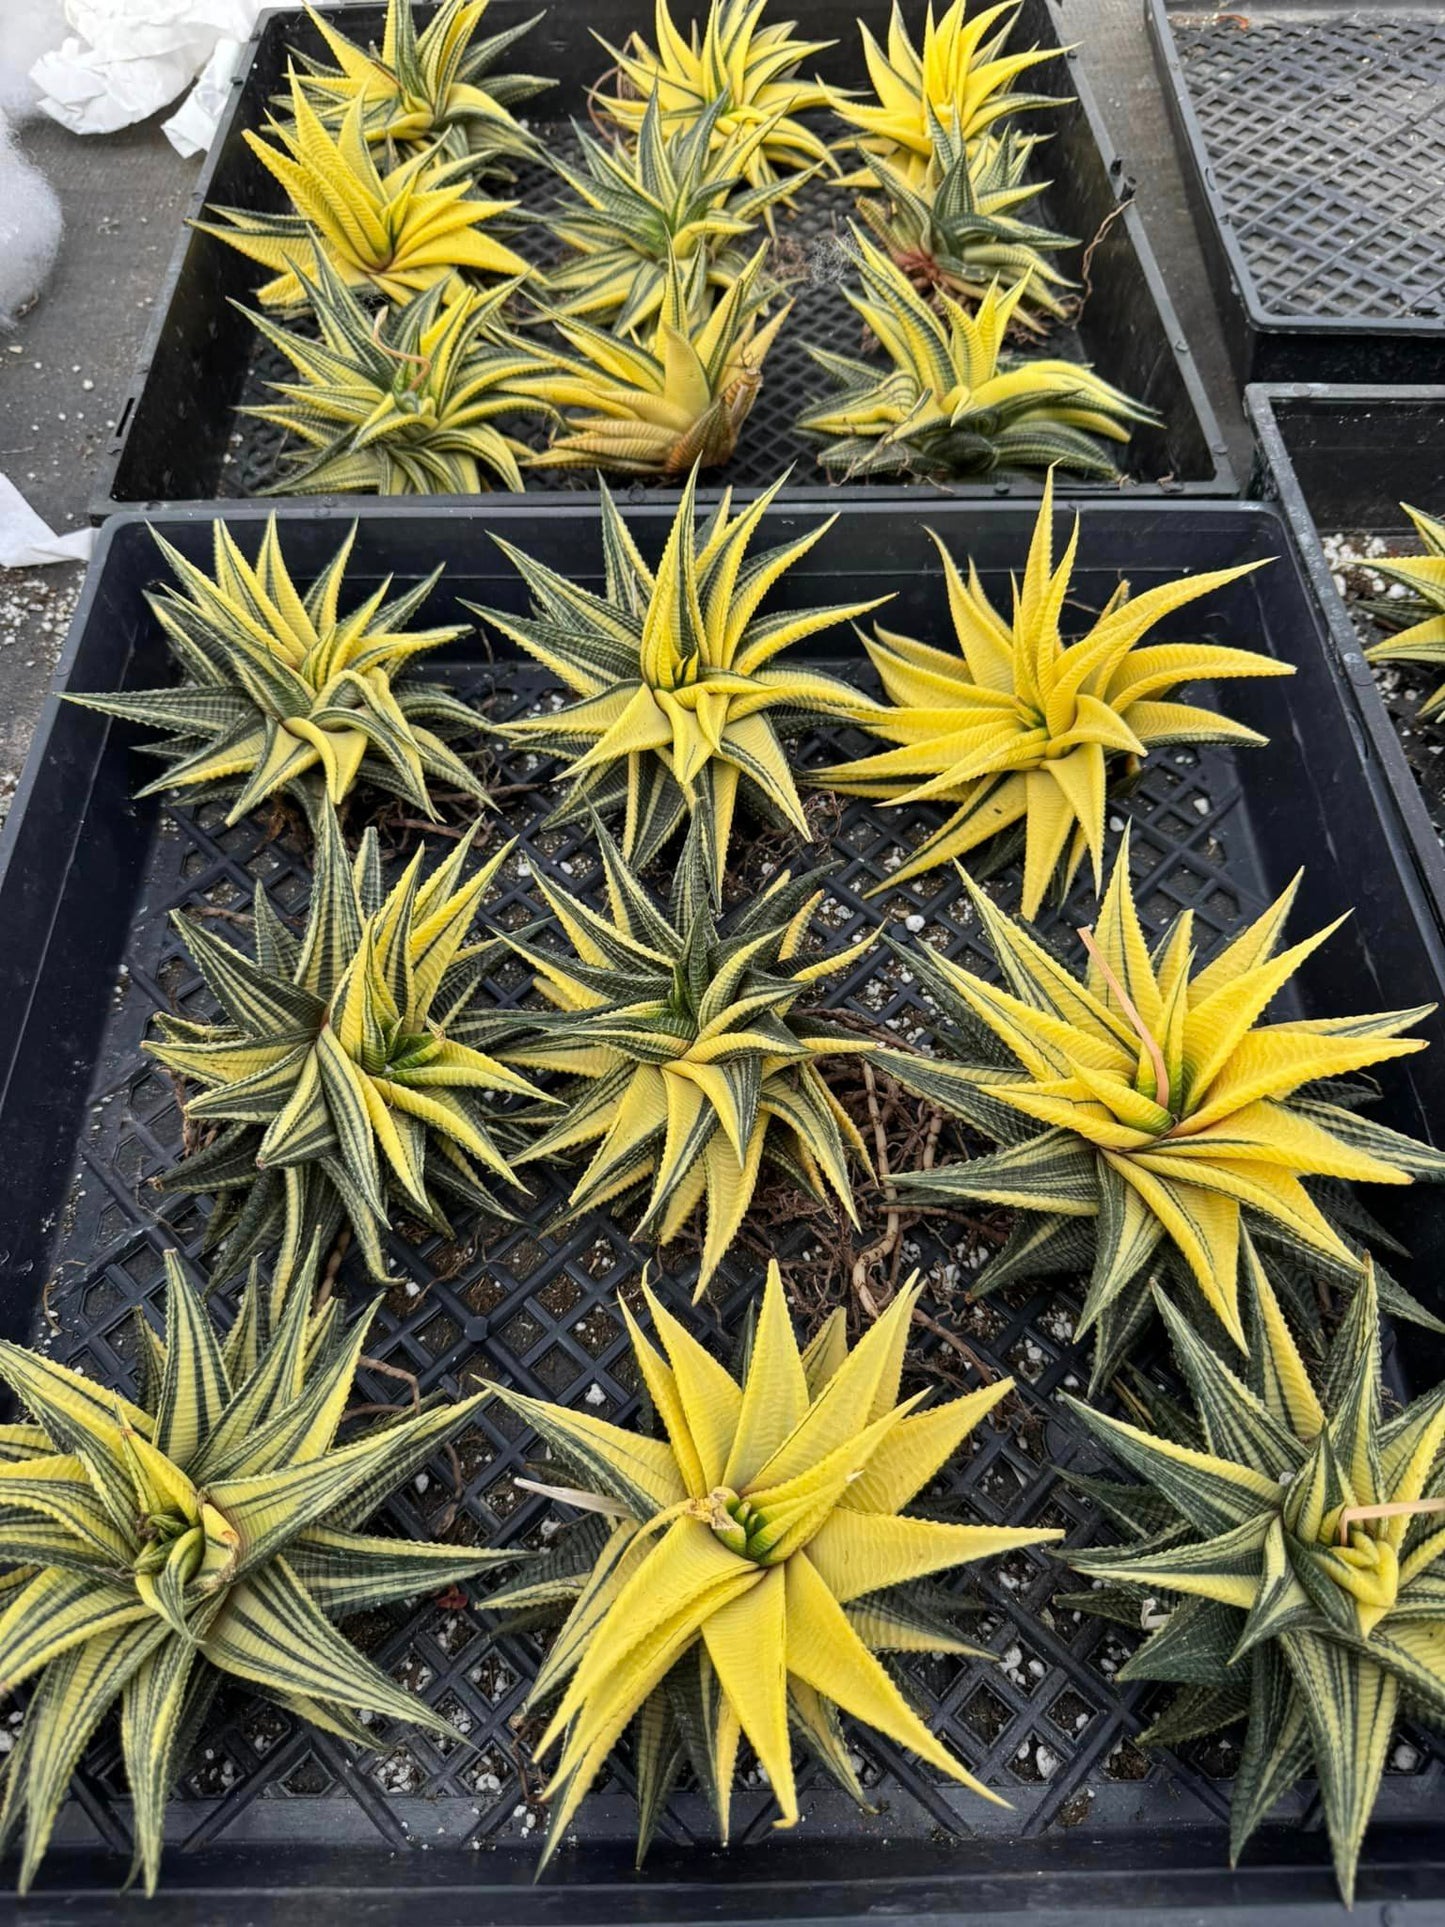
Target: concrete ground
(67,369)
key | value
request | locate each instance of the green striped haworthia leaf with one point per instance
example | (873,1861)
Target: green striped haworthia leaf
(337,1070)
(946,399)
(1159,1115)
(403,406)
(678,195)
(1301,1581)
(431,91)
(958,227)
(676,678)
(182,1543)
(694,1064)
(282,690)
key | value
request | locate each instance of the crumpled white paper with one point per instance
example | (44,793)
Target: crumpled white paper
(26,542)
(126,59)
(192,127)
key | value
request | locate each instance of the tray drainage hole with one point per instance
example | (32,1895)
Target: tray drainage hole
(1071,1713)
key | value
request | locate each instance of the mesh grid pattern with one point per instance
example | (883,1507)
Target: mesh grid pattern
(1327,141)
(1047,1726)
(807,261)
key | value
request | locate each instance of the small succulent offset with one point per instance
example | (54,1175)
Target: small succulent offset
(1019,729)
(680,402)
(670,196)
(757,1563)
(280,688)
(388,235)
(676,678)
(696,1064)
(1421,615)
(431,90)
(212,1530)
(749,66)
(403,404)
(962,75)
(1296,1539)
(336,1070)
(1144,1105)
(958,228)
(947,403)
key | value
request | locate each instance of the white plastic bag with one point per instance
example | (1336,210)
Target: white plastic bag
(126,59)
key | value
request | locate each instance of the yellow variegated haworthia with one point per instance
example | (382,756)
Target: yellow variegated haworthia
(673,195)
(1146,1099)
(962,73)
(281,688)
(947,401)
(1020,728)
(1421,614)
(410,404)
(958,228)
(391,234)
(1295,1541)
(696,1064)
(752,1571)
(427,90)
(750,66)
(676,404)
(677,677)
(211,1530)
(336,1068)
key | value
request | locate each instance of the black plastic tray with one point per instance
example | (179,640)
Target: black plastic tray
(87,879)
(1312,139)
(180,440)
(1340,461)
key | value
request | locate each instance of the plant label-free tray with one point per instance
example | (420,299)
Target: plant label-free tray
(180,438)
(1312,139)
(283,1824)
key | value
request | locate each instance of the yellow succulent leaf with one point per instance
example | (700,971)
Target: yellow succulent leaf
(858,1552)
(747,1643)
(826,1654)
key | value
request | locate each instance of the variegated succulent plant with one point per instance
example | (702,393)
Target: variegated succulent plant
(670,196)
(676,404)
(336,1070)
(432,90)
(1147,1118)
(1290,1542)
(962,73)
(1420,614)
(411,403)
(750,64)
(211,1530)
(1020,730)
(749,1565)
(389,235)
(958,228)
(948,401)
(676,677)
(281,689)
(695,1063)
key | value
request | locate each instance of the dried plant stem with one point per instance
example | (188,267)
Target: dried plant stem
(1396,1509)
(333,1265)
(1127,1005)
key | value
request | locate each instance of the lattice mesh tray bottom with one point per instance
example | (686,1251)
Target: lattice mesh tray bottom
(1047,1726)
(1326,134)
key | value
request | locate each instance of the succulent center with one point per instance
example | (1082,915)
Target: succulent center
(180,1552)
(732,1517)
(1364,1565)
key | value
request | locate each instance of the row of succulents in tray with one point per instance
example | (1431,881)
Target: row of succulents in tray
(420,337)
(746,1571)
